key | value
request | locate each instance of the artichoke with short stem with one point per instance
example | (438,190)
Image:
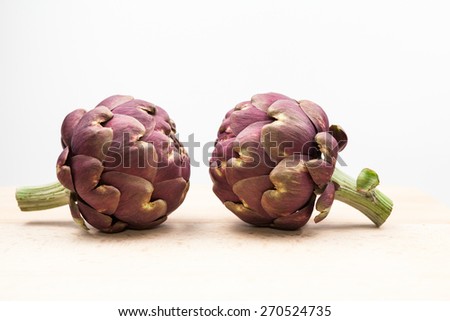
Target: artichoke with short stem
(274,156)
(121,167)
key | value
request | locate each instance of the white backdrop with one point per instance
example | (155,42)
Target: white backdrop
(380,69)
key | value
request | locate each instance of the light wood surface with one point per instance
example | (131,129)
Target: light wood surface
(204,252)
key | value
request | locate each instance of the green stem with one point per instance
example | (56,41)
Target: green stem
(374,204)
(43,197)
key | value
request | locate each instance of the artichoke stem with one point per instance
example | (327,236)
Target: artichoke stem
(36,198)
(374,204)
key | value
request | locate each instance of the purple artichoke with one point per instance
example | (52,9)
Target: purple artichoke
(274,155)
(122,166)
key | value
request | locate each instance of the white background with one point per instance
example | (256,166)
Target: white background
(380,69)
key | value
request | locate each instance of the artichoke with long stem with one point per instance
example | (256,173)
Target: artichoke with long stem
(275,160)
(121,167)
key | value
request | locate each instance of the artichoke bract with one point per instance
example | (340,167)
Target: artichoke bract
(275,160)
(121,167)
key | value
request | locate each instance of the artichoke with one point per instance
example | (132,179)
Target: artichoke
(121,167)
(274,156)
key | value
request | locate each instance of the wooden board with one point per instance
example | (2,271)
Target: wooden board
(204,252)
